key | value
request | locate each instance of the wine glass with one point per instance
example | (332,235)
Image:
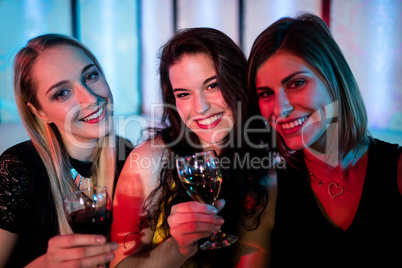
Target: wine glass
(89,211)
(201,177)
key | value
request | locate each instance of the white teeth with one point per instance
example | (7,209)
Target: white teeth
(210,120)
(93,116)
(294,123)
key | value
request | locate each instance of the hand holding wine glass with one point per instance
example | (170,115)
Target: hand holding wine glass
(89,212)
(201,177)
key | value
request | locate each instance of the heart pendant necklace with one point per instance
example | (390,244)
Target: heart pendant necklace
(334,189)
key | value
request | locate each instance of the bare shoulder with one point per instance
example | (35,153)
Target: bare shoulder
(7,243)
(138,178)
(144,162)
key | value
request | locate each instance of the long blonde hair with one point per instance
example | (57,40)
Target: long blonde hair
(46,137)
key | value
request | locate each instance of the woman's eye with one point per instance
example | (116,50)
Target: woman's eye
(264,94)
(91,77)
(213,86)
(297,84)
(181,95)
(61,94)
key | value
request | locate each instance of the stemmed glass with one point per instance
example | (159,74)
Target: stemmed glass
(201,177)
(89,211)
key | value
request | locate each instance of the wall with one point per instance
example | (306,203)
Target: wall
(126,36)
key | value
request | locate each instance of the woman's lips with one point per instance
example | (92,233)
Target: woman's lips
(95,117)
(209,122)
(292,126)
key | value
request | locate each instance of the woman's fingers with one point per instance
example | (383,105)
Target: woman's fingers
(75,240)
(83,252)
(88,262)
(193,206)
(180,218)
(192,221)
(194,227)
(219,204)
(80,250)
(194,217)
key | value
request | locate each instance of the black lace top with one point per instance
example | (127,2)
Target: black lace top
(26,202)
(303,236)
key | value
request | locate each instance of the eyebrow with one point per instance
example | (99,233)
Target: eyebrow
(58,84)
(283,81)
(205,82)
(289,77)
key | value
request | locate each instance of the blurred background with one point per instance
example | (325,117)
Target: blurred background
(126,35)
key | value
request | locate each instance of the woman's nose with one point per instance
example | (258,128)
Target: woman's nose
(201,104)
(85,95)
(282,105)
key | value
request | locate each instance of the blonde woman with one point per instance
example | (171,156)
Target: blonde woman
(65,104)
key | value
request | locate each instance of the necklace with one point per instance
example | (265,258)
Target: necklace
(334,189)
(79,180)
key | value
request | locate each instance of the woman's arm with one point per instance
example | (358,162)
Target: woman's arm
(137,179)
(7,243)
(255,246)
(76,250)
(68,250)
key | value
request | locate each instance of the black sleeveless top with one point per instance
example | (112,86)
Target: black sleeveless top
(26,202)
(303,237)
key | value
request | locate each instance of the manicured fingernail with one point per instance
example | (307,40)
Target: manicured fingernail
(109,256)
(220,221)
(99,239)
(114,246)
(214,210)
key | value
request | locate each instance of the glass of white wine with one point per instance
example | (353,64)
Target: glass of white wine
(201,177)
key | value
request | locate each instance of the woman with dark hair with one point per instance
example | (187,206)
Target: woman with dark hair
(64,102)
(206,106)
(339,203)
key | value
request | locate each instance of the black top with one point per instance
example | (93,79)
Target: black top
(303,236)
(26,202)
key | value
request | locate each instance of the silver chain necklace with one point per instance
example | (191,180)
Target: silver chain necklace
(334,189)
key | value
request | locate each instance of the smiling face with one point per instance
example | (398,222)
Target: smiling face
(199,100)
(72,94)
(295,100)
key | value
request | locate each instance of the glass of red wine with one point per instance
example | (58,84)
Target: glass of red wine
(201,177)
(89,211)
